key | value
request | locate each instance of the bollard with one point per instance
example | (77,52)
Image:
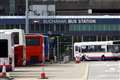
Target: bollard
(3,73)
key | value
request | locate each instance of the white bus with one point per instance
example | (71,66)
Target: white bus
(6,51)
(97,50)
(16,40)
(19,46)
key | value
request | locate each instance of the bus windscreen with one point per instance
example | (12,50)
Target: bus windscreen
(3,48)
(15,36)
(32,41)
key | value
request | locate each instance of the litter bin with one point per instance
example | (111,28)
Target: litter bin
(55,59)
(66,59)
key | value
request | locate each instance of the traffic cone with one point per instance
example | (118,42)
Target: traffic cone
(42,65)
(3,73)
(77,60)
(43,74)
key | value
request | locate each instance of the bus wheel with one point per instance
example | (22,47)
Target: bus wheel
(103,58)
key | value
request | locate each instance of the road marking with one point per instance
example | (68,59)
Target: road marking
(104,71)
(85,77)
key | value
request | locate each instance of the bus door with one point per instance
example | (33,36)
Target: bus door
(18,49)
(18,55)
(3,52)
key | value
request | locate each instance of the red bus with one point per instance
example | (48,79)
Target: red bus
(34,48)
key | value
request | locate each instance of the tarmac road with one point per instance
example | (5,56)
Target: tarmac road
(69,71)
(104,70)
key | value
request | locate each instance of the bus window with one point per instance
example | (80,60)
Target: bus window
(116,42)
(93,48)
(84,48)
(79,49)
(33,41)
(113,48)
(99,48)
(15,36)
(3,48)
(76,48)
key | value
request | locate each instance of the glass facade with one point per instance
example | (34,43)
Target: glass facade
(12,26)
(45,28)
(94,27)
(12,7)
(89,30)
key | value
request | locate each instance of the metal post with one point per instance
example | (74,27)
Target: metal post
(106,38)
(47,9)
(81,38)
(27,19)
(43,55)
(72,47)
(58,46)
(97,38)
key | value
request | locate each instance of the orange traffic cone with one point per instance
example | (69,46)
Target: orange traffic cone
(43,74)
(3,73)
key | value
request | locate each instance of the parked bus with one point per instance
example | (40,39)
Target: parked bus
(97,50)
(36,48)
(6,51)
(19,45)
(115,49)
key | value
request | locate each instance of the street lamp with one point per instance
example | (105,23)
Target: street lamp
(35,28)
(26,19)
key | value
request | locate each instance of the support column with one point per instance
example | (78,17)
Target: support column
(58,46)
(101,38)
(106,38)
(82,38)
(72,47)
(97,38)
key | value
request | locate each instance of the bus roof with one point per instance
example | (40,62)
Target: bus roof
(94,43)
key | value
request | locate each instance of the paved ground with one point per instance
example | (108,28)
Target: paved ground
(69,71)
(106,70)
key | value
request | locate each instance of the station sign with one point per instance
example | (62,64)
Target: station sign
(62,21)
(48,21)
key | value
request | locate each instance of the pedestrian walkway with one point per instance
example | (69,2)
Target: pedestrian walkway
(69,71)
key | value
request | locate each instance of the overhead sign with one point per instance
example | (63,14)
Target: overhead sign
(68,21)
(62,21)
(54,21)
(82,21)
